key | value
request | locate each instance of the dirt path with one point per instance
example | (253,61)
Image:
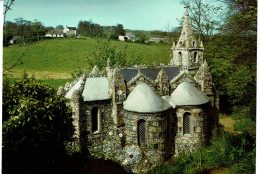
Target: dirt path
(228,123)
(43,75)
(219,171)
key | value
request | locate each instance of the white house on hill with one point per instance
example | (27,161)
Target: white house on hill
(70,31)
(128,37)
(54,33)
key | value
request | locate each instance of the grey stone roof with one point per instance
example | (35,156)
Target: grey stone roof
(187,94)
(129,73)
(96,88)
(143,99)
(74,88)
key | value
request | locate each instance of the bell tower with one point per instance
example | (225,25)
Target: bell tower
(188,51)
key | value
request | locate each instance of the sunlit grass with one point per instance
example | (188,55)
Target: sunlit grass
(56,56)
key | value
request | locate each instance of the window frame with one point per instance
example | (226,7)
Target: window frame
(141,142)
(187,120)
(98,120)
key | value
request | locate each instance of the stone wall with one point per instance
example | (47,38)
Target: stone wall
(159,133)
(197,136)
(94,141)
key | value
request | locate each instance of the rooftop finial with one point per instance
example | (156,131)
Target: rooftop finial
(108,62)
(139,69)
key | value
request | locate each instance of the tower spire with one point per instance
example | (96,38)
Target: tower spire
(187,6)
(188,52)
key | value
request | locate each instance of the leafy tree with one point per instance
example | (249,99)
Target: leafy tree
(59,27)
(9,31)
(23,29)
(143,37)
(90,29)
(105,51)
(49,28)
(118,31)
(36,122)
(232,55)
(37,29)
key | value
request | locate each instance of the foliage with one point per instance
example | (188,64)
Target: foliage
(246,165)
(244,120)
(77,73)
(36,122)
(118,31)
(23,31)
(37,29)
(226,151)
(232,55)
(90,29)
(59,27)
(106,52)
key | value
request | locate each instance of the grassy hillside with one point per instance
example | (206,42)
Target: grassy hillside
(58,58)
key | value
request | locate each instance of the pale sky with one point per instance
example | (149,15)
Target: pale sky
(133,14)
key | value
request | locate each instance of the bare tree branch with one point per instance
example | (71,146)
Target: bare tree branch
(7,7)
(17,62)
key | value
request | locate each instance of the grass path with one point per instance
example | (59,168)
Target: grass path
(43,75)
(221,170)
(228,123)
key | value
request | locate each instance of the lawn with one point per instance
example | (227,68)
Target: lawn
(58,58)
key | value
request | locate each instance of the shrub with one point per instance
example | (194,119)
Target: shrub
(36,122)
(226,151)
(245,120)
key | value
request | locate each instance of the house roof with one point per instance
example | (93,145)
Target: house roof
(129,34)
(96,88)
(144,99)
(129,73)
(187,94)
(55,31)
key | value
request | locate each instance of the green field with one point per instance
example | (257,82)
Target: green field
(58,58)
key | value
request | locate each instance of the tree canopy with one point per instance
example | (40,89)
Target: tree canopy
(232,54)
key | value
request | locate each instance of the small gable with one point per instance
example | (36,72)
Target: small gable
(138,79)
(184,77)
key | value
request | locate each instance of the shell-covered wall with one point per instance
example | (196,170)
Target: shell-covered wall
(197,137)
(160,133)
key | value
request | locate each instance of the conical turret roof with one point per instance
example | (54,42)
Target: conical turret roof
(187,94)
(143,99)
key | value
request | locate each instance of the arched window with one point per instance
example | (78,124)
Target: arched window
(186,123)
(180,57)
(141,133)
(94,119)
(195,57)
(181,44)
